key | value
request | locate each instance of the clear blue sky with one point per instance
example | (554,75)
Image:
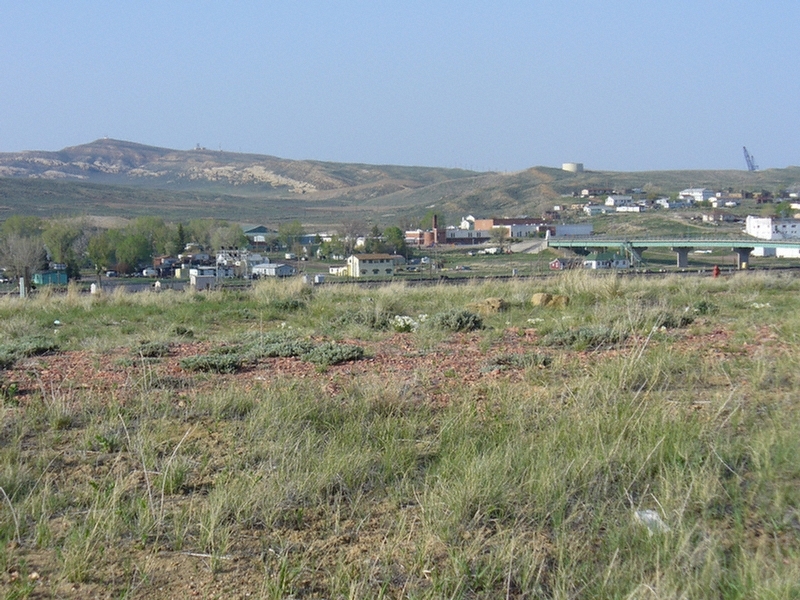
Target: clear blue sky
(505,85)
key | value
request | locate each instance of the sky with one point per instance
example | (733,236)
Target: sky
(503,85)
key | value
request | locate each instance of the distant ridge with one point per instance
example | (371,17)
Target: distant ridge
(121,178)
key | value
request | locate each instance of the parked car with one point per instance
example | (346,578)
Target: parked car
(149,272)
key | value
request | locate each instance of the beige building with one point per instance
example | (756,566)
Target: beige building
(370,265)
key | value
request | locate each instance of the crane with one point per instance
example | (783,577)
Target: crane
(751,163)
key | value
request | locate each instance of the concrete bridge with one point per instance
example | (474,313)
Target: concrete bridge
(741,245)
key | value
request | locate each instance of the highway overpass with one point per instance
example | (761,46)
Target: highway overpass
(741,245)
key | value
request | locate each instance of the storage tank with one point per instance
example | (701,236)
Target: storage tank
(572,167)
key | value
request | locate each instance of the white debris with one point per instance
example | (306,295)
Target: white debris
(652,520)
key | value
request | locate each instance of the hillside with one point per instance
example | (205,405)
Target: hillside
(118,178)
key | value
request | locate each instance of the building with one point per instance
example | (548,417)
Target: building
(693,195)
(769,228)
(606,260)
(370,265)
(597,209)
(267,269)
(52,277)
(618,200)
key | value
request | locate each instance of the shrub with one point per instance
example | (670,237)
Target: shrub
(286,304)
(213,363)
(584,337)
(24,347)
(504,362)
(331,353)
(152,349)
(456,320)
(368,317)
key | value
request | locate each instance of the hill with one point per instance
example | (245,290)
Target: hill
(113,177)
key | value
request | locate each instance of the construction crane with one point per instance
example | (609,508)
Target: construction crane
(751,163)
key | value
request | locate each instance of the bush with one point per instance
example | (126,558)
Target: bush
(24,347)
(456,320)
(331,353)
(152,349)
(213,363)
(505,362)
(368,317)
(584,337)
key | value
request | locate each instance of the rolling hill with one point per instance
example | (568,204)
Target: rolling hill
(117,178)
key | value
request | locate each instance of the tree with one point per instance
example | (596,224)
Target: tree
(19,253)
(228,235)
(132,250)
(499,236)
(395,240)
(102,250)
(427,220)
(290,233)
(60,238)
(22,226)
(349,232)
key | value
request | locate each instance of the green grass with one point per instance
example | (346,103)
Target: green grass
(524,483)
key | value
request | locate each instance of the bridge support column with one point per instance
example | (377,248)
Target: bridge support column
(683,257)
(742,257)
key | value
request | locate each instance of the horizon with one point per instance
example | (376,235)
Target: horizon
(618,86)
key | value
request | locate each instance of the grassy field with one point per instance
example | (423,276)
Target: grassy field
(286,441)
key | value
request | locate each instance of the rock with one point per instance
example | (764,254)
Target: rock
(559,302)
(549,300)
(489,306)
(541,299)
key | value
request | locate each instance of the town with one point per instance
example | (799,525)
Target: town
(204,255)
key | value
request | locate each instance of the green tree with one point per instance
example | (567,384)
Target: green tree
(394,240)
(101,250)
(289,233)
(427,220)
(228,235)
(132,250)
(59,238)
(21,225)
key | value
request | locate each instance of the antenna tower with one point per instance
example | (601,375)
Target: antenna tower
(751,163)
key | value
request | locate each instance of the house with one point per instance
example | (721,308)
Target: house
(370,265)
(268,269)
(718,216)
(562,264)
(693,195)
(257,234)
(606,260)
(595,192)
(670,204)
(618,200)
(597,209)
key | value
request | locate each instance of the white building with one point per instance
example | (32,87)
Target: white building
(692,195)
(618,200)
(597,209)
(769,228)
(273,270)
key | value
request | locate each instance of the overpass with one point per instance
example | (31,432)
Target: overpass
(741,245)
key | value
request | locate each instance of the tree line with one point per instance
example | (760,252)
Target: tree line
(31,243)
